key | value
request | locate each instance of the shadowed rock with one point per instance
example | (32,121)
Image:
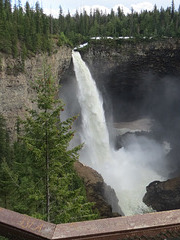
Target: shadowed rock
(162,196)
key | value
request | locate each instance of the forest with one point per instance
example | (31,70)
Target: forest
(26,30)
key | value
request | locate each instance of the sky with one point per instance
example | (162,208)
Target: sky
(52,6)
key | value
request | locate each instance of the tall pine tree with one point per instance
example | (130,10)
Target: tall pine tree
(46,175)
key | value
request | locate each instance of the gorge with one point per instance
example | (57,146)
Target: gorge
(143,84)
(136,80)
(127,170)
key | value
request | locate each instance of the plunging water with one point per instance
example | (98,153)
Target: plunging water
(128,170)
(95,134)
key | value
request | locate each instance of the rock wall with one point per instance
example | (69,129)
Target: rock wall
(141,80)
(16,93)
(131,74)
(136,79)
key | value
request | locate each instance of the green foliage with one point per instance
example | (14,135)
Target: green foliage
(6,188)
(19,28)
(4,140)
(37,175)
(77,38)
(29,28)
(45,183)
(63,40)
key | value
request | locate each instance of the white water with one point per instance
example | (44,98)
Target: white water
(128,170)
(95,134)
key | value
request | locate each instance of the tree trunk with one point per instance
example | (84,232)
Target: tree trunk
(47,178)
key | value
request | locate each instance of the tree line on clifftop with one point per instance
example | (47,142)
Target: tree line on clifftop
(26,30)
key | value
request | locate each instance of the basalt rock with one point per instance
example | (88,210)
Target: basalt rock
(99,192)
(133,75)
(162,196)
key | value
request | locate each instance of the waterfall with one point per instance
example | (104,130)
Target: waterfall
(95,134)
(128,170)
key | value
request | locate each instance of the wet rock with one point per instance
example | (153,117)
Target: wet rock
(98,191)
(162,196)
(123,140)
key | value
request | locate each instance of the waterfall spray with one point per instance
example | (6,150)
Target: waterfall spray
(128,170)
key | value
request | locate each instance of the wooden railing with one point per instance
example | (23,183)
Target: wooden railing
(162,225)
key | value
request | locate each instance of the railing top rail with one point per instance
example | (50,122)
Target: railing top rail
(24,227)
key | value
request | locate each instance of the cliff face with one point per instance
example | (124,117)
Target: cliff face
(132,74)
(141,80)
(16,93)
(136,80)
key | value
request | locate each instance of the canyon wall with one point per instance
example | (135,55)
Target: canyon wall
(16,94)
(130,73)
(141,80)
(136,79)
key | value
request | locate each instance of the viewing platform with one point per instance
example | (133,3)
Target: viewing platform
(159,225)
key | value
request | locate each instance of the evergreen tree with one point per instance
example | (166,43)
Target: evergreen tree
(172,9)
(6,188)
(61,20)
(31,27)
(46,176)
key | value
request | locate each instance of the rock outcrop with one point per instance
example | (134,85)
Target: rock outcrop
(162,196)
(16,93)
(99,192)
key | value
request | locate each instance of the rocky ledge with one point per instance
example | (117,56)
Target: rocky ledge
(99,192)
(162,196)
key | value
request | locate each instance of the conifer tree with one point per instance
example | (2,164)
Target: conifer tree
(6,187)
(46,175)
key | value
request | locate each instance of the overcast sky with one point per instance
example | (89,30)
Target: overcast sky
(52,6)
